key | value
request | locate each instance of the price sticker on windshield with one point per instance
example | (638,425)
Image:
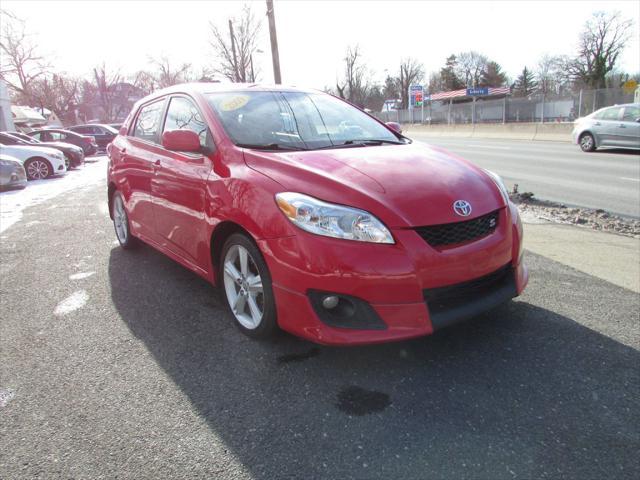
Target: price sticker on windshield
(234,103)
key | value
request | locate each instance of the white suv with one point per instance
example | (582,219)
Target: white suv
(39,162)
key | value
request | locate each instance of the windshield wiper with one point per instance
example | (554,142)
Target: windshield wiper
(269,146)
(360,143)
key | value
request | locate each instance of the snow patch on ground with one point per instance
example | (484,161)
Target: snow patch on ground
(73,302)
(80,276)
(13,203)
(6,395)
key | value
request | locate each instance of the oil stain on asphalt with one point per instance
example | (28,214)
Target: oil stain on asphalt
(358,401)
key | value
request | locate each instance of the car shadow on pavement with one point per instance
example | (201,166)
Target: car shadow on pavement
(522,391)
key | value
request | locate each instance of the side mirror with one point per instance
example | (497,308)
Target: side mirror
(638,119)
(395,126)
(181,141)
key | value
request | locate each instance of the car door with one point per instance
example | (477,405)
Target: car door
(606,126)
(179,187)
(629,127)
(134,157)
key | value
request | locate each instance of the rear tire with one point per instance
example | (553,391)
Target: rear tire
(121,223)
(38,168)
(587,142)
(245,282)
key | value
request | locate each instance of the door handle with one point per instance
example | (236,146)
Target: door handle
(597,124)
(122,151)
(622,125)
(157,165)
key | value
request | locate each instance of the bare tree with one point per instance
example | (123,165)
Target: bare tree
(234,49)
(166,75)
(58,93)
(355,85)
(20,64)
(469,67)
(550,75)
(602,40)
(411,73)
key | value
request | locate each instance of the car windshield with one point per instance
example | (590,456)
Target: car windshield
(296,121)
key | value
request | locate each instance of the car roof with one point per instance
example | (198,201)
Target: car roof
(218,87)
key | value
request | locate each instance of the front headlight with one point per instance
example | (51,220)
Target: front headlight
(332,220)
(500,184)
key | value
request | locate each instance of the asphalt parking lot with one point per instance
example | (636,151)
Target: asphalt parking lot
(123,364)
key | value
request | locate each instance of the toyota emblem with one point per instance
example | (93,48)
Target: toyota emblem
(462,208)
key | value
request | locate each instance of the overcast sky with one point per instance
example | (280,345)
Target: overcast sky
(313,35)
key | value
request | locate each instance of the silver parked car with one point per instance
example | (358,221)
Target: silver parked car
(12,174)
(617,126)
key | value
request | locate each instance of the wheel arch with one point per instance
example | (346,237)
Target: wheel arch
(589,132)
(219,236)
(38,157)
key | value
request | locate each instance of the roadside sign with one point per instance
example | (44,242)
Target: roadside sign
(629,86)
(416,96)
(477,91)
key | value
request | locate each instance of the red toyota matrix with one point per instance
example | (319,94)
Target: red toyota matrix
(311,215)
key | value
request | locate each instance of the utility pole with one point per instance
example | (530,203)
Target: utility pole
(274,42)
(233,49)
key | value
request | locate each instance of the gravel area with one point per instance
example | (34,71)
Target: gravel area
(535,210)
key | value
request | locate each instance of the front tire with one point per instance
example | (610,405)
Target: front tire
(587,142)
(246,285)
(38,168)
(121,223)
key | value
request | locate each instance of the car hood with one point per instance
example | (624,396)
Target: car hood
(26,150)
(404,185)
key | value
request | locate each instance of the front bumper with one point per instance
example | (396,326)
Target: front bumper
(395,280)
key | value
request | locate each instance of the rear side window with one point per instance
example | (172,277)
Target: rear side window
(37,136)
(631,114)
(182,114)
(82,129)
(57,136)
(148,122)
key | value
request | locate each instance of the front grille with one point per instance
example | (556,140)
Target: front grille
(459,232)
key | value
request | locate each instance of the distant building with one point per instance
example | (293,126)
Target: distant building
(27,117)
(121,97)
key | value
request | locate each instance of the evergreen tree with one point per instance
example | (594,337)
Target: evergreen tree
(492,75)
(525,83)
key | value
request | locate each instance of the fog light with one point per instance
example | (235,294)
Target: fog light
(330,302)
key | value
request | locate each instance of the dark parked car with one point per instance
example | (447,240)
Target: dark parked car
(74,155)
(88,144)
(103,134)
(12,174)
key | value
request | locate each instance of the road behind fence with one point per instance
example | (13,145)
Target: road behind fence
(534,108)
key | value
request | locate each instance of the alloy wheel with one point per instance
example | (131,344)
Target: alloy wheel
(243,287)
(37,169)
(120,220)
(586,143)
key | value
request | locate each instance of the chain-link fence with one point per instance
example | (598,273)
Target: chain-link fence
(534,108)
